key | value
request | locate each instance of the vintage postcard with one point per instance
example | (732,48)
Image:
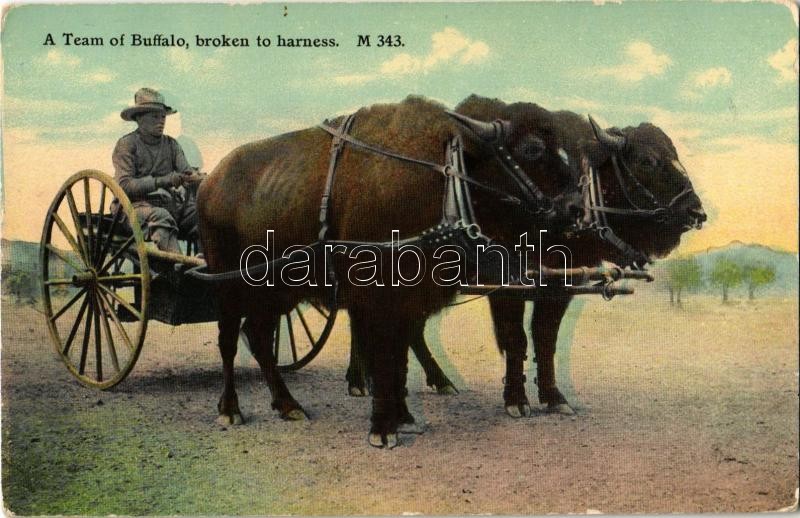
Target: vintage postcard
(513,258)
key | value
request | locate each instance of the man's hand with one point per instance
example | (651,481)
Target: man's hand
(169,180)
(192,178)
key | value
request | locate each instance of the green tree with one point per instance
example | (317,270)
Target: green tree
(756,275)
(684,274)
(726,274)
(20,284)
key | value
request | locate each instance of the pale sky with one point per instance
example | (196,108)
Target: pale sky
(719,78)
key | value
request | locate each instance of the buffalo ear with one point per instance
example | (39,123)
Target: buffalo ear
(530,148)
(596,153)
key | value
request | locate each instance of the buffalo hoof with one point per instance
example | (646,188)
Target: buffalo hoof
(357,391)
(228,420)
(560,408)
(290,410)
(447,390)
(295,414)
(516,411)
(411,428)
(387,441)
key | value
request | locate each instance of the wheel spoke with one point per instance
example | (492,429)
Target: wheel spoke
(88,214)
(291,335)
(320,310)
(64,257)
(86,333)
(120,300)
(99,237)
(68,235)
(110,236)
(75,326)
(68,305)
(121,250)
(98,344)
(117,323)
(305,325)
(112,352)
(57,282)
(77,220)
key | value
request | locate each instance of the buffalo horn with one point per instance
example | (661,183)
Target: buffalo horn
(615,142)
(485,131)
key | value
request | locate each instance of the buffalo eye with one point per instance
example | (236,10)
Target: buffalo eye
(530,148)
(649,161)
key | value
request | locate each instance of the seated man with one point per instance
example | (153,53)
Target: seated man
(152,170)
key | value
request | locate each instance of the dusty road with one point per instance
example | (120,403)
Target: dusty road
(691,410)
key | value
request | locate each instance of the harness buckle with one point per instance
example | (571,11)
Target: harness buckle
(473,230)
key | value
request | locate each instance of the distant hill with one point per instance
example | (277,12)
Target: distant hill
(20,254)
(785,264)
(22,257)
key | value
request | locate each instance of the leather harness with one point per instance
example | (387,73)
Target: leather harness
(458,225)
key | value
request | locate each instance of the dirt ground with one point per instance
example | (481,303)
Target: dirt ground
(692,410)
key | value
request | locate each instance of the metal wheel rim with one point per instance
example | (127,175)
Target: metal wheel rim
(329,315)
(98,294)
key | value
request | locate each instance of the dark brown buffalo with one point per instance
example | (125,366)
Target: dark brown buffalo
(277,184)
(653,160)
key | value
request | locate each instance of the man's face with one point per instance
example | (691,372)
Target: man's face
(152,123)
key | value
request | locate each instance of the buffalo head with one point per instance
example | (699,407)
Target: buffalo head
(640,171)
(527,156)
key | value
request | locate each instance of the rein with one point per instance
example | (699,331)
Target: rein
(595,208)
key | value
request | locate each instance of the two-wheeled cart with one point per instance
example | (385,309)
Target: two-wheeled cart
(102,283)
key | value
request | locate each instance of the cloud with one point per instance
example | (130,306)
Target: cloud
(185,61)
(641,61)
(700,83)
(100,76)
(552,102)
(17,108)
(354,79)
(712,77)
(59,57)
(785,62)
(449,46)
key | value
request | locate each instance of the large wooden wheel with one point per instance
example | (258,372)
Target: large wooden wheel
(95,279)
(299,335)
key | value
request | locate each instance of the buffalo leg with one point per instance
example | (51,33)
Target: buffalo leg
(263,333)
(228,405)
(358,377)
(507,315)
(548,311)
(434,376)
(357,369)
(385,342)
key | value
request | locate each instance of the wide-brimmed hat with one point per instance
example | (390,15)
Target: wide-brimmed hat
(146,100)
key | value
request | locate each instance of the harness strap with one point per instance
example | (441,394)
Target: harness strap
(595,218)
(380,151)
(337,144)
(633,181)
(457,204)
(445,170)
(535,196)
